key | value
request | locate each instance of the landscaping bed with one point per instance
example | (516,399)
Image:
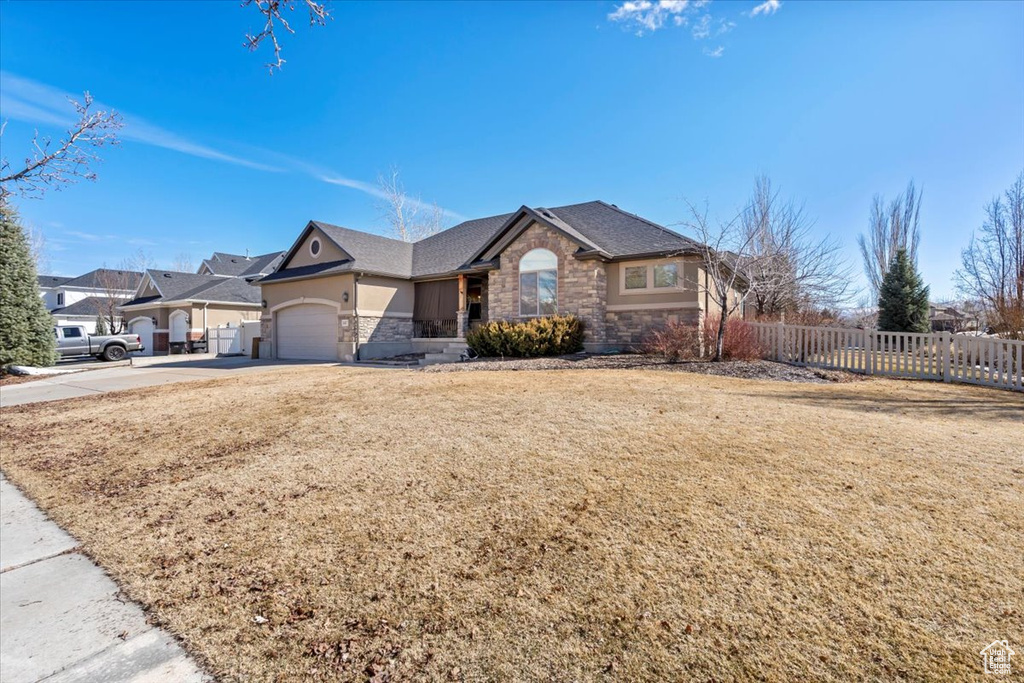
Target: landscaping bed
(339,523)
(758,369)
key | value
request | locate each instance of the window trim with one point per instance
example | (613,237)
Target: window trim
(536,313)
(680,285)
(60,298)
(319,247)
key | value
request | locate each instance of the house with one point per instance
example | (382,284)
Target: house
(234,265)
(949,319)
(346,294)
(80,300)
(173,310)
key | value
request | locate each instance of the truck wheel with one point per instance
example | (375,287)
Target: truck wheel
(115,352)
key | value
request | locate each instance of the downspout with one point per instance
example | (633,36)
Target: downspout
(355,314)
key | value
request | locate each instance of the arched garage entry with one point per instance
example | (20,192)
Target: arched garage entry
(306,330)
(178,326)
(143,326)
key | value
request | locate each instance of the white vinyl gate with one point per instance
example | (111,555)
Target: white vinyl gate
(224,341)
(307,332)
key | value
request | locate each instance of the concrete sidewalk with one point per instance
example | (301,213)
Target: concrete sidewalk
(62,619)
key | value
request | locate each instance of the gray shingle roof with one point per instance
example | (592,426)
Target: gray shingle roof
(448,250)
(596,226)
(229,289)
(175,286)
(90,305)
(372,253)
(101,277)
(319,269)
(239,265)
(52,280)
(620,233)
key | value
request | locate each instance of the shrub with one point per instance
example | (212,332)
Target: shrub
(552,336)
(741,342)
(675,342)
(681,341)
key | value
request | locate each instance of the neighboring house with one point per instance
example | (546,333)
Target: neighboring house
(80,300)
(49,286)
(171,308)
(235,265)
(345,294)
(950,319)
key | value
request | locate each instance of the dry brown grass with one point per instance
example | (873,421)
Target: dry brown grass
(590,525)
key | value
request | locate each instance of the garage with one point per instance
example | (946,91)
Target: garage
(144,328)
(307,332)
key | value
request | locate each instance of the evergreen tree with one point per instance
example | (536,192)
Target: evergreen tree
(903,298)
(101,325)
(26,327)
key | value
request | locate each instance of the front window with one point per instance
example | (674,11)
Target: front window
(650,277)
(538,283)
(70,332)
(60,298)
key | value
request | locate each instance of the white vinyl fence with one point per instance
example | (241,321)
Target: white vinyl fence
(938,355)
(224,340)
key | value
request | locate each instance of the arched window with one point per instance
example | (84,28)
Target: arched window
(538,283)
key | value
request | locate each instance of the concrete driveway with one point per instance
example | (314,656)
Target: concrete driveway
(143,372)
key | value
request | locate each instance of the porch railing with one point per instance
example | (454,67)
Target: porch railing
(433,329)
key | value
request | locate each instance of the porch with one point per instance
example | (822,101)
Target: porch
(445,310)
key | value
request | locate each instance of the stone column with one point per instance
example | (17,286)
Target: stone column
(463,323)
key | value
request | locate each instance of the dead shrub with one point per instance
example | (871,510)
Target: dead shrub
(740,343)
(675,342)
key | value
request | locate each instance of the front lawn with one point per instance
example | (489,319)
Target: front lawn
(340,523)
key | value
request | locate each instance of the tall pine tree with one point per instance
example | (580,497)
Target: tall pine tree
(26,327)
(903,298)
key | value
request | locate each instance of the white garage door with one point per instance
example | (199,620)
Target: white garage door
(307,331)
(144,328)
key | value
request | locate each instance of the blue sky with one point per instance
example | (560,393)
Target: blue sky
(487,106)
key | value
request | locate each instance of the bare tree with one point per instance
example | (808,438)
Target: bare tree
(726,254)
(37,247)
(183,263)
(992,265)
(68,161)
(274,20)
(893,227)
(408,218)
(117,285)
(790,271)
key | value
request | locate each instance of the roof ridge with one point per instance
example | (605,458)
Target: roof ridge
(362,232)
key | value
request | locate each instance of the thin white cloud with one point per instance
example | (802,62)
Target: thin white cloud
(35,103)
(767,7)
(646,16)
(88,236)
(716,53)
(702,29)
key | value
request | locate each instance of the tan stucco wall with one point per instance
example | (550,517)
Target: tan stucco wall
(689,275)
(330,288)
(217,315)
(391,296)
(329,251)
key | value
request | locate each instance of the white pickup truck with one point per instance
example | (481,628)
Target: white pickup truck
(73,340)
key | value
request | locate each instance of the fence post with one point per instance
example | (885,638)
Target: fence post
(869,362)
(779,331)
(946,357)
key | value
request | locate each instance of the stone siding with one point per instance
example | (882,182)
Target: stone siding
(377,329)
(267,327)
(581,284)
(628,329)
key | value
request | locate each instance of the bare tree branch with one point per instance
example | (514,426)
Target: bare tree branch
(52,166)
(183,263)
(116,283)
(407,217)
(274,20)
(892,227)
(790,271)
(992,265)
